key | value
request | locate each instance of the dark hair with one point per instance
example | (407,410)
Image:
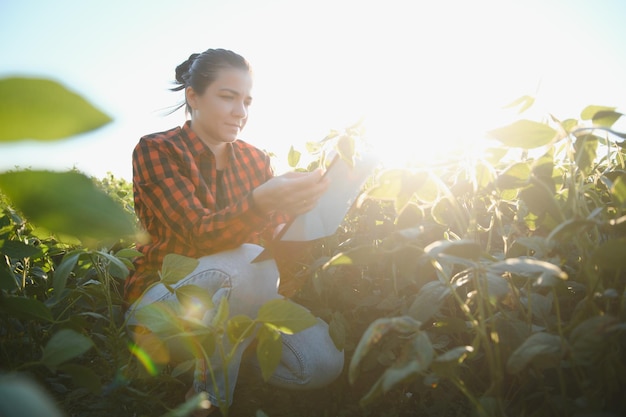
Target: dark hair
(200,70)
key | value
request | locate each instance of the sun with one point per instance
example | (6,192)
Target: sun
(433,135)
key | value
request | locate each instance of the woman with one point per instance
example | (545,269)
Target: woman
(201,192)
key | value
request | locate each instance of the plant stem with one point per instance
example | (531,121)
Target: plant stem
(477,405)
(557,309)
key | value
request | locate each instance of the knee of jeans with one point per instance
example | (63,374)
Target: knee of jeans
(328,368)
(253,286)
(320,361)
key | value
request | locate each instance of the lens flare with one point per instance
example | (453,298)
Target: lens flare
(143,358)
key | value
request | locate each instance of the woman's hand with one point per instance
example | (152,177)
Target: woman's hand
(293,193)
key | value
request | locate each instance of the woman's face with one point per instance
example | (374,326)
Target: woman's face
(220,113)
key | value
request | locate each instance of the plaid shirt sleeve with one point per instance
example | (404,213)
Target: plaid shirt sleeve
(175,184)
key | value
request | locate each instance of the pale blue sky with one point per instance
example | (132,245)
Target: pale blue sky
(420,74)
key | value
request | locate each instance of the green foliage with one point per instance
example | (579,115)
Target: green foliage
(68,203)
(507,282)
(33,108)
(222,334)
(525,134)
(492,287)
(20,396)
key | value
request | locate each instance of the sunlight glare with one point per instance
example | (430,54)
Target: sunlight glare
(435,101)
(144,358)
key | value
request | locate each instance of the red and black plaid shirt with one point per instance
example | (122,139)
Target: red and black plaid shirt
(175,185)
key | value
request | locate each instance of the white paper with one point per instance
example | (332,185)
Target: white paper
(331,209)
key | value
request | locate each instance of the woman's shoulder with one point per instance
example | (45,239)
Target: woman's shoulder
(167,140)
(164,136)
(244,146)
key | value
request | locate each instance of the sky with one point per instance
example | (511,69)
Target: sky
(423,77)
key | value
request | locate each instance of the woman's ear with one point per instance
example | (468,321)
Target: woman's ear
(191,97)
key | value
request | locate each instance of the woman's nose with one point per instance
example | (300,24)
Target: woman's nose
(240,110)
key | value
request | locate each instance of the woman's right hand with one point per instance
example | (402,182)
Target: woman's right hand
(293,193)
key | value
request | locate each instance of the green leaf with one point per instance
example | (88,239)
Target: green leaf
(606,118)
(128,253)
(514,177)
(585,151)
(67,203)
(591,110)
(116,267)
(456,355)
(543,349)
(313,147)
(63,271)
(183,367)
(610,254)
(160,318)
(64,345)
(483,174)
(544,273)
(389,183)
(601,115)
(447,364)
(539,197)
(293,158)
(21,396)
(361,255)
(497,286)
(543,167)
(588,340)
(25,308)
(32,108)
(83,377)
(524,134)
(465,249)
(429,191)
(524,103)
(197,341)
(375,392)
(285,316)
(337,330)
(413,359)
(374,335)
(428,301)
(538,304)
(398,185)
(194,300)
(7,279)
(410,216)
(411,184)
(269,350)
(618,190)
(569,228)
(443,212)
(176,267)
(239,327)
(18,249)
(569,125)
(494,155)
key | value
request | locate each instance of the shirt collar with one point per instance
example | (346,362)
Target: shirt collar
(196,145)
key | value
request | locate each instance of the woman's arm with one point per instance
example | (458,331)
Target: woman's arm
(166,197)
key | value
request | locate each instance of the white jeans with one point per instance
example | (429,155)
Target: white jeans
(309,358)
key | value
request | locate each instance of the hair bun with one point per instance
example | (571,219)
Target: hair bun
(183,69)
